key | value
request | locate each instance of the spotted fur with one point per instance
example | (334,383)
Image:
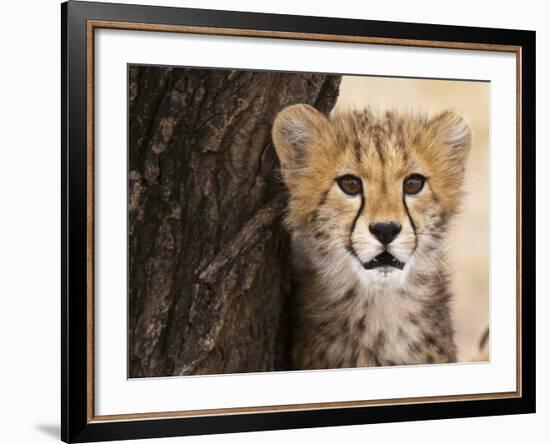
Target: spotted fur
(344,314)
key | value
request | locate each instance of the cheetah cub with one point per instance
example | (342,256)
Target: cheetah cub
(371,197)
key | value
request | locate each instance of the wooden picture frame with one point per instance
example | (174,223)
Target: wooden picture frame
(80,20)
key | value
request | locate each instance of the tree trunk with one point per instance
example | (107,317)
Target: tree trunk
(208,268)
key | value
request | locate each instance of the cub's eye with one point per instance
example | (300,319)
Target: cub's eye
(414,184)
(350,184)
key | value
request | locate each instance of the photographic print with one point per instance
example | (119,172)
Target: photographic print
(282,221)
(276,221)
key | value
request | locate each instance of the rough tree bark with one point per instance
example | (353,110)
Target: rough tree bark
(208,267)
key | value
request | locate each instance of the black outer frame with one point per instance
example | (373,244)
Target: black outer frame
(74,424)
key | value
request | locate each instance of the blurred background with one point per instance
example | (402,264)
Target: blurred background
(468,243)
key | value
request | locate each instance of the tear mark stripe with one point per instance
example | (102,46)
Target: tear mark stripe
(411,220)
(352,229)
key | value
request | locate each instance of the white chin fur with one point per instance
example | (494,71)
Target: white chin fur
(340,269)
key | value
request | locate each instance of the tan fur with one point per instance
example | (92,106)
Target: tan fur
(345,315)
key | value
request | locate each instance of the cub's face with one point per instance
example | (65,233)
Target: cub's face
(369,193)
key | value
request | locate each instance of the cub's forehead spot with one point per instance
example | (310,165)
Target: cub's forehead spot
(365,158)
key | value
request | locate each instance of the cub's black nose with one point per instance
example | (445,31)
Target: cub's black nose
(385,232)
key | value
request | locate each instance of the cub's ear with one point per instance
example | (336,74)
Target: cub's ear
(452,130)
(294,130)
